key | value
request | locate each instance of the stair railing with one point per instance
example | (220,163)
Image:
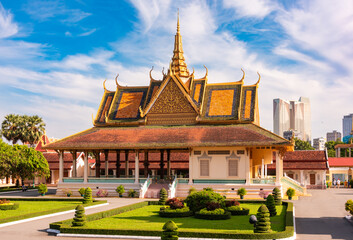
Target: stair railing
(172,188)
(144,187)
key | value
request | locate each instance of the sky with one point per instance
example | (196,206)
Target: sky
(55,54)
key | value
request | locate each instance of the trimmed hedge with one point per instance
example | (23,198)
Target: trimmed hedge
(167,214)
(245,211)
(289,229)
(13,206)
(36,214)
(224,216)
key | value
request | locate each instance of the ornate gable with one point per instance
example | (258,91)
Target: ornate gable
(171,107)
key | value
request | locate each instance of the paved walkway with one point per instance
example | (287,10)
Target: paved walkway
(321,215)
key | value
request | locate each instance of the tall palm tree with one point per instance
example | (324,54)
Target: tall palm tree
(34,129)
(12,128)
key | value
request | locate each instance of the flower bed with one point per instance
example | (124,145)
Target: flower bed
(9,206)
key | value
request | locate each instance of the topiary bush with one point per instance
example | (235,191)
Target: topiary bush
(290,193)
(42,189)
(263,224)
(88,196)
(199,200)
(237,210)
(170,231)
(132,193)
(349,206)
(175,213)
(242,192)
(80,217)
(217,214)
(163,195)
(277,196)
(120,190)
(82,191)
(270,204)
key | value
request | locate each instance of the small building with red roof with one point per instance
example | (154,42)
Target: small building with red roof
(340,168)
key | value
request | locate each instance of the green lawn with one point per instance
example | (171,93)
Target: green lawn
(28,209)
(147,218)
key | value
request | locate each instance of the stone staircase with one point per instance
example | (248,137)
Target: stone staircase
(154,188)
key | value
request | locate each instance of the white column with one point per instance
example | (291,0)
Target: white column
(61,166)
(279,168)
(302,180)
(262,168)
(52,177)
(85,167)
(137,167)
(265,170)
(247,171)
(190,168)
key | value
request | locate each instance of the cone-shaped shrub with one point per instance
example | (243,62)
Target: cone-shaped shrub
(170,231)
(88,196)
(270,204)
(277,196)
(163,195)
(263,224)
(80,217)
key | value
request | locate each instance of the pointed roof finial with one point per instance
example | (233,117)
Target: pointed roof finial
(178,25)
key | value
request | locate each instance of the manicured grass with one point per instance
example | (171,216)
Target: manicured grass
(147,218)
(28,209)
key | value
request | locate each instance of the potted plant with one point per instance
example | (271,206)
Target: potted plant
(42,189)
(132,193)
(241,192)
(68,192)
(290,193)
(82,191)
(120,190)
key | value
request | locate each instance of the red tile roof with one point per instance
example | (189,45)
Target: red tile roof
(344,146)
(53,160)
(179,137)
(340,162)
(303,160)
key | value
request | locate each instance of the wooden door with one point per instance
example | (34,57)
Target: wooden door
(291,175)
(312,179)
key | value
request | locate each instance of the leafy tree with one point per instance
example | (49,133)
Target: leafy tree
(302,145)
(28,163)
(12,127)
(331,151)
(6,156)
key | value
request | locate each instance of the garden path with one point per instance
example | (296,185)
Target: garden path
(321,216)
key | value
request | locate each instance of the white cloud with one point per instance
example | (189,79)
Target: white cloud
(87,33)
(7,27)
(251,8)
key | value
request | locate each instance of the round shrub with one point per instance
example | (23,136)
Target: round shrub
(242,192)
(174,203)
(199,200)
(170,231)
(263,224)
(208,189)
(42,188)
(88,196)
(192,190)
(290,193)
(237,210)
(349,206)
(277,196)
(163,195)
(120,190)
(270,204)
(80,218)
(82,191)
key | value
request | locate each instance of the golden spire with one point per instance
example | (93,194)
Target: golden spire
(178,61)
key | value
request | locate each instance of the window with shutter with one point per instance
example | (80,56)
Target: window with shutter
(204,168)
(233,168)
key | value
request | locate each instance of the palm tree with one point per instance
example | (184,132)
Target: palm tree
(34,129)
(12,128)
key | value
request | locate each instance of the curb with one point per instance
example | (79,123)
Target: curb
(17,191)
(48,215)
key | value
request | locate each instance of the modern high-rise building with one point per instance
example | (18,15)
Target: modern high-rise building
(333,136)
(292,115)
(319,143)
(347,124)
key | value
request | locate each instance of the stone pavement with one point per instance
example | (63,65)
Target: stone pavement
(321,216)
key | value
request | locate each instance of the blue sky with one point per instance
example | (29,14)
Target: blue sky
(54,55)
